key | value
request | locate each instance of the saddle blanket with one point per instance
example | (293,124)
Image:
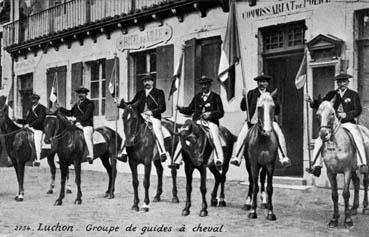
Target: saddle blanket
(166,132)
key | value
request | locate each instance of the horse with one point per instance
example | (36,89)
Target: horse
(141,149)
(261,153)
(196,151)
(18,144)
(68,142)
(339,155)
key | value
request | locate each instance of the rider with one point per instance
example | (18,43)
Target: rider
(348,108)
(151,104)
(35,121)
(206,108)
(83,111)
(252,97)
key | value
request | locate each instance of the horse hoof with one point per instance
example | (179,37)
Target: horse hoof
(348,224)
(213,203)
(253,215)
(175,200)
(353,212)
(246,207)
(106,195)
(263,206)
(78,201)
(271,217)
(111,196)
(19,199)
(204,213)
(144,209)
(185,212)
(16,198)
(156,199)
(69,191)
(222,204)
(366,211)
(135,208)
(58,202)
(50,191)
(333,223)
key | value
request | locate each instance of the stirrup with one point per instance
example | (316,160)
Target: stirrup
(364,169)
(235,162)
(36,163)
(316,170)
(90,160)
(174,165)
(121,157)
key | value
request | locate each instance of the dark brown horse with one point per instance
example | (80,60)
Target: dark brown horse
(68,142)
(339,155)
(196,152)
(261,153)
(141,149)
(18,143)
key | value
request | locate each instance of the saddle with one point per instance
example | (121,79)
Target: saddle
(208,135)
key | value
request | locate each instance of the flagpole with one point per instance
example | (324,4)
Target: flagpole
(241,61)
(307,113)
(115,98)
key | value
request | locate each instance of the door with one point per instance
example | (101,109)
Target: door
(283,70)
(364,81)
(26,89)
(58,77)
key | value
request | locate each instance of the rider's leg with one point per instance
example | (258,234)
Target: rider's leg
(156,126)
(238,150)
(38,144)
(177,157)
(359,141)
(88,134)
(317,166)
(122,154)
(282,151)
(214,132)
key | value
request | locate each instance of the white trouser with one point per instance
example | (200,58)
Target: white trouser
(37,137)
(242,136)
(156,127)
(358,139)
(88,132)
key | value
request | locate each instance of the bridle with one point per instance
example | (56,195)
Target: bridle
(137,129)
(204,139)
(57,136)
(332,128)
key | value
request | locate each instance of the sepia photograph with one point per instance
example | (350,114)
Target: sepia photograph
(184,118)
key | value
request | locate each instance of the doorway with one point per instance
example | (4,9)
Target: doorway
(25,83)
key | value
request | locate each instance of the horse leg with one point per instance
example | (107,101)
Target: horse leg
(247,205)
(174,186)
(204,208)
(222,202)
(50,161)
(113,177)
(346,196)
(15,164)
(255,189)
(189,171)
(105,161)
(77,169)
(263,196)
(135,185)
(159,172)
(21,166)
(356,182)
(365,202)
(333,180)
(63,172)
(271,216)
(69,188)
(146,184)
(214,193)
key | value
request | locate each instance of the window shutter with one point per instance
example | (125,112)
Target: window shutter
(164,73)
(111,111)
(189,71)
(49,84)
(62,86)
(77,74)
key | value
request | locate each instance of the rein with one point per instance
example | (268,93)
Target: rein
(62,133)
(13,132)
(138,129)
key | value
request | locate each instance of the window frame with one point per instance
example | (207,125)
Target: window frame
(98,76)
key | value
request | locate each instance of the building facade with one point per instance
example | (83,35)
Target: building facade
(89,42)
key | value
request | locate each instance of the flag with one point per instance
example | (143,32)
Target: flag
(300,79)
(176,76)
(113,82)
(53,95)
(10,100)
(230,53)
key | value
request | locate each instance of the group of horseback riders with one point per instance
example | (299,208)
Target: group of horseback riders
(206,109)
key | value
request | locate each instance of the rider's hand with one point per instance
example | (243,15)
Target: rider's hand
(342,115)
(183,46)
(308,99)
(148,112)
(26,126)
(115,100)
(244,93)
(179,107)
(206,115)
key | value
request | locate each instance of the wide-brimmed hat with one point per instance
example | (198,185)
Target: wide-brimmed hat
(263,78)
(147,77)
(82,90)
(35,96)
(205,80)
(342,76)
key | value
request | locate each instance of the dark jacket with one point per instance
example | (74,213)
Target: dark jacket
(83,111)
(213,104)
(252,97)
(155,102)
(35,118)
(350,104)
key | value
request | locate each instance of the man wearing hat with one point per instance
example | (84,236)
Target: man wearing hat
(83,111)
(151,104)
(252,97)
(35,120)
(206,106)
(347,105)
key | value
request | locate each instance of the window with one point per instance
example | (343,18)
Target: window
(98,86)
(145,65)
(363,23)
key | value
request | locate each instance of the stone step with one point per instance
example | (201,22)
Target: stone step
(286,180)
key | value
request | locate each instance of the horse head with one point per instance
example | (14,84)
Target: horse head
(53,124)
(326,116)
(265,113)
(3,114)
(131,121)
(193,140)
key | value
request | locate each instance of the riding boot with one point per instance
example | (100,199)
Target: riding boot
(240,143)
(177,159)
(318,165)
(282,150)
(122,154)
